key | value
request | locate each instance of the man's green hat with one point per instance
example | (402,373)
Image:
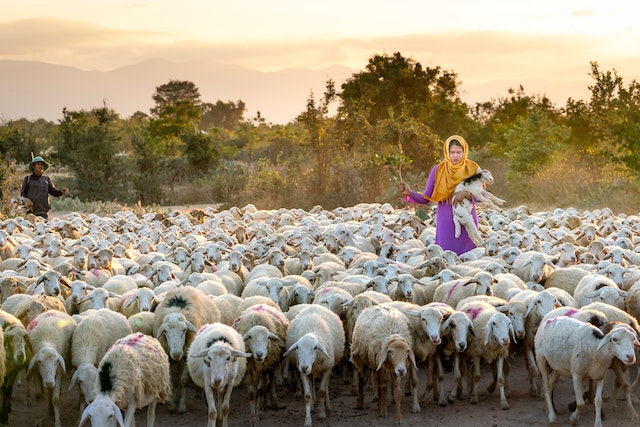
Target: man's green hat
(36,160)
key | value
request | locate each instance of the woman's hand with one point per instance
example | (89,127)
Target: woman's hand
(404,188)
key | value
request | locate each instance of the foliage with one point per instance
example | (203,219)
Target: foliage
(390,123)
(86,144)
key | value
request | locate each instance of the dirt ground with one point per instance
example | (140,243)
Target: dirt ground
(524,410)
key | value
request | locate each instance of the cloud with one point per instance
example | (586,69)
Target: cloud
(478,57)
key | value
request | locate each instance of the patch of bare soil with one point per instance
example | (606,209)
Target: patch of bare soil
(524,411)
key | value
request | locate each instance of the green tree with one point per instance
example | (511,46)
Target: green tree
(174,92)
(391,83)
(222,114)
(87,144)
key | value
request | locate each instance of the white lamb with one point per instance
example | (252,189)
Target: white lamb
(50,336)
(315,341)
(571,348)
(134,373)
(217,363)
(462,206)
(454,291)
(97,330)
(382,343)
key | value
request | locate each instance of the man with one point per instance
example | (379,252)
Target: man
(37,188)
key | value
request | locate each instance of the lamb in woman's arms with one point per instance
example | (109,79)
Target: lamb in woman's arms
(472,187)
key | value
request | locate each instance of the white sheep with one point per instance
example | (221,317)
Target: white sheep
(217,363)
(142,322)
(596,287)
(566,278)
(16,343)
(315,344)
(177,319)
(571,348)
(533,266)
(134,373)
(137,300)
(382,343)
(96,331)
(50,337)
(454,291)
(493,333)
(264,331)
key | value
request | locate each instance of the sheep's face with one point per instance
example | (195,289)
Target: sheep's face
(397,356)
(219,367)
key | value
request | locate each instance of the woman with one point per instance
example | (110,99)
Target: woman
(442,181)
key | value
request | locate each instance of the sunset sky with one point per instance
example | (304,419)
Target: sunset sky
(544,45)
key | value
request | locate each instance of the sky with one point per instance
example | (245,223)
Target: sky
(545,45)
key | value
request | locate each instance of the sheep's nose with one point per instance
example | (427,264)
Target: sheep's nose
(435,339)
(504,341)
(401,372)
(461,346)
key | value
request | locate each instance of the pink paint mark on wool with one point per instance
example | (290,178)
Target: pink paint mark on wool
(32,324)
(453,288)
(571,312)
(473,312)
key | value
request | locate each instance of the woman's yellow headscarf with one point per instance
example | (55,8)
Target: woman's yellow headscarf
(449,175)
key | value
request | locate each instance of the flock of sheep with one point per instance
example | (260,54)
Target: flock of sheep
(136,310)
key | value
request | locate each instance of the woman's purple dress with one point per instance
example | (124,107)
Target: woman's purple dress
(445,230)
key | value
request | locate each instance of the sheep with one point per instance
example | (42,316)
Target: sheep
(425,323)
(382,343)
(596,287)
(98,298)
(79,289)
(50,337)
(132,374)
(177,319)
(272,287)
(16,344)
(493,330)
(532,266)
(453,292)
(142,322)
(566,278)
(96,331)
(264,331)
(571,348)
(315,344)
(217,362)
(28,307)
(136,300)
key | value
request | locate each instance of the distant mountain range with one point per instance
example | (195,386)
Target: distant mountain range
(34,90)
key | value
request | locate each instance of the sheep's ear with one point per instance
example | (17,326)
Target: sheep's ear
(74,378)
(593,294)
(323,350)
(382,356)
(191,327)
(236,353)
(603,342)
(412,358)
(277,339)
(294,347)
(471,331)
(487,332)
(62,364)
(513,332)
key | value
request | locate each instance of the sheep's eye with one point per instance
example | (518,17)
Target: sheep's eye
(453,326)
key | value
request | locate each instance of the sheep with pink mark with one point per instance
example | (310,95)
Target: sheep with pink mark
(454,291)
(493,334)
(568,347)
(132,374)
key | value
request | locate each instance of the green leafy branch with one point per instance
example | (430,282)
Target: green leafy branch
(395,160)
